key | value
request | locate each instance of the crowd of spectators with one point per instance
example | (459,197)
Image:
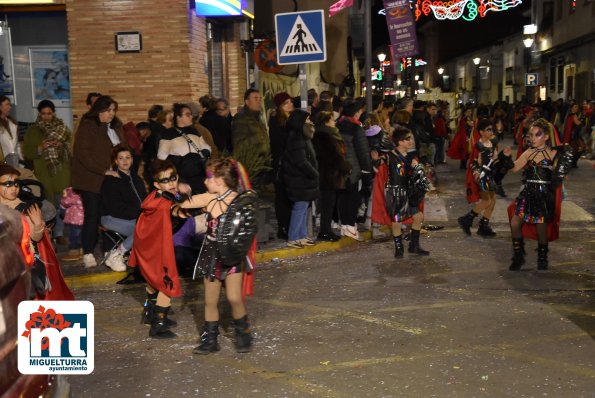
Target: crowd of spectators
(322,158)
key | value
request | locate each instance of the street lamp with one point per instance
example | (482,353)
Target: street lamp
(528,42)
(440,71)
(381,58)
(476,61)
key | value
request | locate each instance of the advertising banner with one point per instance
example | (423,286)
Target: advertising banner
(401,29)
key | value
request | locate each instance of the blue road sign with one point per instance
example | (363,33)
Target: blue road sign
(531,79)
(300,37)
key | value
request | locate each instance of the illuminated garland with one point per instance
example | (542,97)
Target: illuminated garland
(466,9)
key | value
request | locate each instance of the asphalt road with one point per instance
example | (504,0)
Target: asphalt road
(358,323)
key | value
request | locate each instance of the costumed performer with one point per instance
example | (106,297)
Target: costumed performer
(480,182)
(46,274)
(153,247)
(227,203)
(405,186)
(535,214)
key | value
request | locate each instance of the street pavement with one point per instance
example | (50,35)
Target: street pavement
(355,322)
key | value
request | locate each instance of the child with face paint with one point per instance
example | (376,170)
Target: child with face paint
(153,248)
(47,277)
(481,185)
(535,213)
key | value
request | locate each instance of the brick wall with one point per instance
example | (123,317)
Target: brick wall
(235,67)
(170,67)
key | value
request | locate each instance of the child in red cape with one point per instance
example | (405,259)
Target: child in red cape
(45,268)
(535,214)
(153,248)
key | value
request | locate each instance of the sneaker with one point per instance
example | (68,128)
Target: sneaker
(351,232)
(307,242)
(296,244)
(72,255)
(89,260)
(335,225)
(115,261)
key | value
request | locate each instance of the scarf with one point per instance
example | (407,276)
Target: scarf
(54,155)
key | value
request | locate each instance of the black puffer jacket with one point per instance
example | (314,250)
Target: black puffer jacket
(356,147)
(122,197)
(300,168)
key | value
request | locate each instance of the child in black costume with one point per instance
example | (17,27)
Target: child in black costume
(405,191)
(536,211)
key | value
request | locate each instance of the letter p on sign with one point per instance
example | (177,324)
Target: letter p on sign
(531,79)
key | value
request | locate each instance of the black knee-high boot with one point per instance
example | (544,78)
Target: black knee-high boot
(414,246)
(542,249)
(484,228)
(518,254)
(149,308)
(159,327)
(208,339)
(399,248)
(466,222)
(243,337)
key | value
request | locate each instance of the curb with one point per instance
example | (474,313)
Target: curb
(110,277)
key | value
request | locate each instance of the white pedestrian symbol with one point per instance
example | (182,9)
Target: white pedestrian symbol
(300,41)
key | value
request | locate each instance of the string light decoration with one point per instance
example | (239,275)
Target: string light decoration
(468,10)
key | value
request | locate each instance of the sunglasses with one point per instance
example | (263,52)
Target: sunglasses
(171,178)
(9,184)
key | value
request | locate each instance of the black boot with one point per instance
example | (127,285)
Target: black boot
(208,339)
(466,222)
(414,246)
(518,254)
(149,311)
(243,336)
(500,190)
(149,308)
(159,328)
(484,228)
(399,248)
(542,250)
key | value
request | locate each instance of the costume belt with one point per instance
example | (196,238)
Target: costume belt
(539,182)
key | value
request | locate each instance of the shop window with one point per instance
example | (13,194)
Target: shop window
(560,74)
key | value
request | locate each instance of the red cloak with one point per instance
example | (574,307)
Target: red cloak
(59,290)
(458,147)
(153,249)
(568,127)
(472,188)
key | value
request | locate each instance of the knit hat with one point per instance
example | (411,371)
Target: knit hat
(280,98)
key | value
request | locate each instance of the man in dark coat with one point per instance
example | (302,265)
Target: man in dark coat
(218,122)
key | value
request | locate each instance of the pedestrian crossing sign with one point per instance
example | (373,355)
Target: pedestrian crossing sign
(300,37)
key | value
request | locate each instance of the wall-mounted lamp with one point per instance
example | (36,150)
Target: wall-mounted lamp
(440,70)
(476,60)
(381,57)
(528,42)
(530,29)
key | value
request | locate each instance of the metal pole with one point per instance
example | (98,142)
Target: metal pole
(368,51)
(303,86)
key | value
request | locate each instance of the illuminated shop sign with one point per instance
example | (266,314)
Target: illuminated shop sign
(225,8)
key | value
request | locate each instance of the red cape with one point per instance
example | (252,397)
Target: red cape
(568,127)
(458,147)
(153,249)
(472,188)
(379,214)
(529,231)
(59,289)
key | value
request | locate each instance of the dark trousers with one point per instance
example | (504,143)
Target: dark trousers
(282,207)
(326,203)
(185,259)
(439,150)
(92,209)
(348,201)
